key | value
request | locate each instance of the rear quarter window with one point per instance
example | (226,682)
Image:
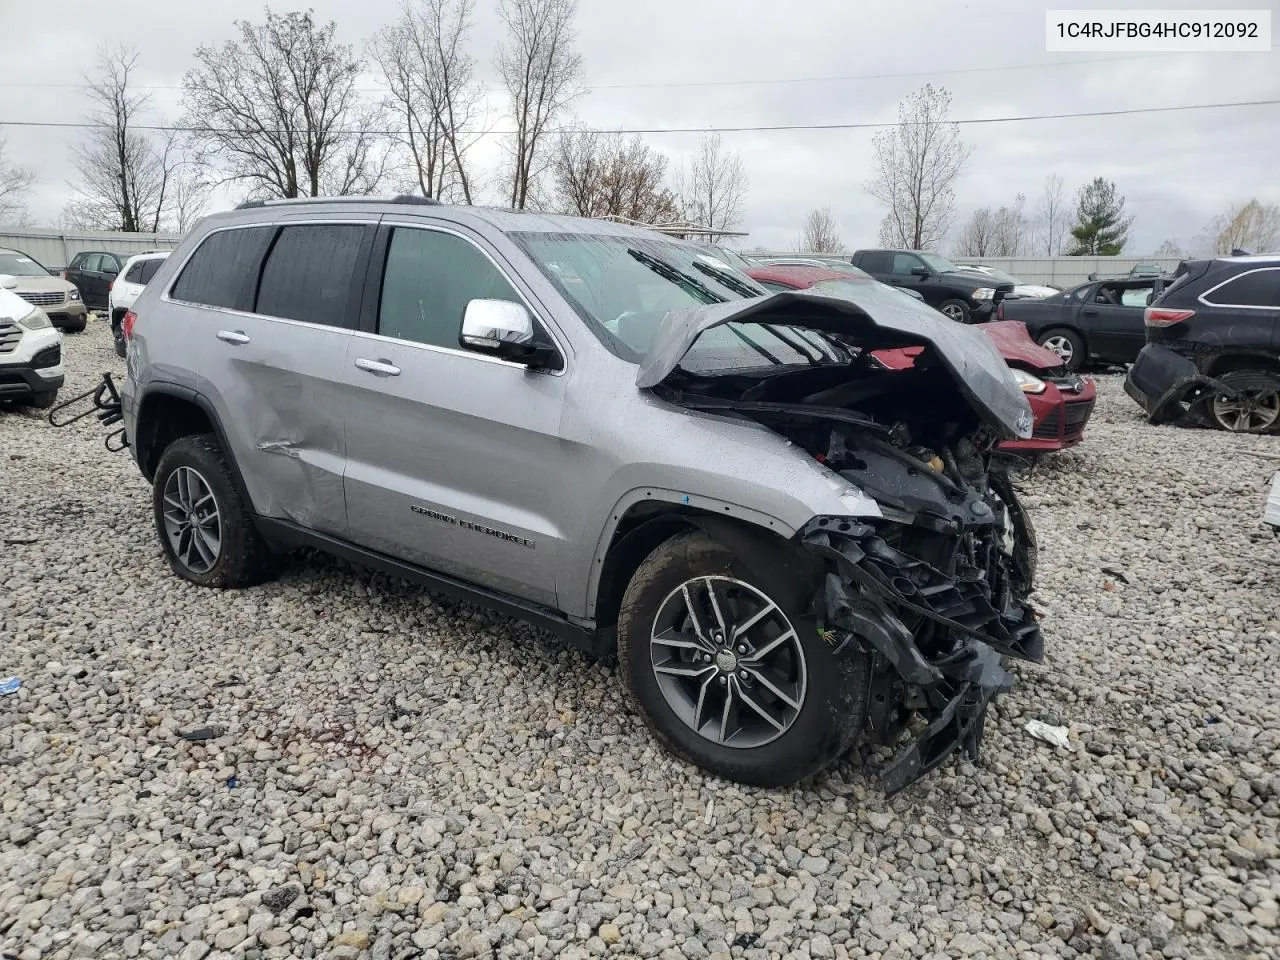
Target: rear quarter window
(134,273)
(1257,288)
(224,269)
(149,268)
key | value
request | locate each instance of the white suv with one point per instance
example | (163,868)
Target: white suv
(30,351)
(133,279)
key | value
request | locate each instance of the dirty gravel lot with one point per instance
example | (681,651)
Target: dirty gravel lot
(401,776)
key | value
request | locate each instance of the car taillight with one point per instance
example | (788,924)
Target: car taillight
(1164,317)
(126,325)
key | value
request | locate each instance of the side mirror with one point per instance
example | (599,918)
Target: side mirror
(922,272)
(503,329)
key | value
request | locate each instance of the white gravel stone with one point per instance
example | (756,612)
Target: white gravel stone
(428,779)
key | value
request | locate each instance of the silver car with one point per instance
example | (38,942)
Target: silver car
(604,431)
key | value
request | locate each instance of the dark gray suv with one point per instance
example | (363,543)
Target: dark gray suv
(615,436)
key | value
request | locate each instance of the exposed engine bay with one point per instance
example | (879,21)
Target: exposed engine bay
(934,593)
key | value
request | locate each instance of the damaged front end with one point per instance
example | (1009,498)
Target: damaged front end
(932,593)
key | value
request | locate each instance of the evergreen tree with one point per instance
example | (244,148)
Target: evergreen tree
(1101,227)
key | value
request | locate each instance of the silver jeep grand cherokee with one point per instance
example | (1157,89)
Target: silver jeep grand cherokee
(616,436)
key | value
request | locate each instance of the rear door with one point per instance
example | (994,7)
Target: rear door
(1114,319)
(277,307)
(454,459)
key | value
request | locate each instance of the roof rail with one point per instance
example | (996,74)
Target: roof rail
(399,198)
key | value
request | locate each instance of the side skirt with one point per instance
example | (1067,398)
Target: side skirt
(583,635)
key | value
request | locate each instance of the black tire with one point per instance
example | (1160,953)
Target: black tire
(1068,345)
(75,327)
(243,558)
(1263,392)
(41,401)
(833,707)
(956,310)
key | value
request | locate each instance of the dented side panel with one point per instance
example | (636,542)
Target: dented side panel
(280,399)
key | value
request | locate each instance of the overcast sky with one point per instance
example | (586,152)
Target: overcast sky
(1176,170)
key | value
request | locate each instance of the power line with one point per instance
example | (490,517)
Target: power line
(691,83)
(763,128)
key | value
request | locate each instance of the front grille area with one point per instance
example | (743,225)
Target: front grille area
(10,334)
(1065,423)
(43,299)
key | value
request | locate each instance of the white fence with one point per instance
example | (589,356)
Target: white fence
(1064,272)
(55,248)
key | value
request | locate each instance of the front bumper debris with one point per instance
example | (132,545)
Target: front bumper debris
(936,641)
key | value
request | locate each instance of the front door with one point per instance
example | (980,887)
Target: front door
(454,459)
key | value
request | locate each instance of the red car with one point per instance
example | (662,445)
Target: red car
(1061,402)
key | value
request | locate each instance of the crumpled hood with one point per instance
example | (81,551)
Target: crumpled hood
(873,318)
(1015,344)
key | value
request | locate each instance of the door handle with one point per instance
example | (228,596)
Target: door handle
(1091,313)
(379,368)
(235,337)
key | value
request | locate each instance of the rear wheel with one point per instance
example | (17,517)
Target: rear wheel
(41,401)
(729,669)
(1255,408)
(1068,345)
(206,530)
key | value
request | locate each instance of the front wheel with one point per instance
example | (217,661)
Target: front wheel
(1255,407)
(956,310)
(206,530)
(729,669)
(1068,345)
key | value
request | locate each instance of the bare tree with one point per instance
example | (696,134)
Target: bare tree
(1169,249)
(713,187)
(978,238)
(15,184)
(123,173)
(1010,227)
(1251,226)
(1053,216)
(189,196)
(433,92)
(821,233)
(918,162)
(279,107)
(541,74)
(597,174)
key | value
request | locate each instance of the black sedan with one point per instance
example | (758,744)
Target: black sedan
(1096,322)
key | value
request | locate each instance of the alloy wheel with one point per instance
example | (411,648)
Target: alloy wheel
(1249,411)
(192,521)
(728,662)
(1061,346)
(954,311)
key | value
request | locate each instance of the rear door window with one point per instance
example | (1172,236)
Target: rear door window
(308,274)
(134,273)
(876,262)
(1257,288)
(224,269)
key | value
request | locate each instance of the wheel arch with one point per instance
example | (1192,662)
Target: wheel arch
(1232,362)
(644,526)
(168,412)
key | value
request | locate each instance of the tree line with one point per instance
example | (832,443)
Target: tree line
(276,111)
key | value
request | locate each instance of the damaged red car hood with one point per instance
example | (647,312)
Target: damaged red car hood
(875,318)
(1015,344)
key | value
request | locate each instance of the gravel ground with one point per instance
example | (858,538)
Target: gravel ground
(393,775)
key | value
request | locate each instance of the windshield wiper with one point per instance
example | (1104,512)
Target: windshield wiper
(678,277)
(729,280)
